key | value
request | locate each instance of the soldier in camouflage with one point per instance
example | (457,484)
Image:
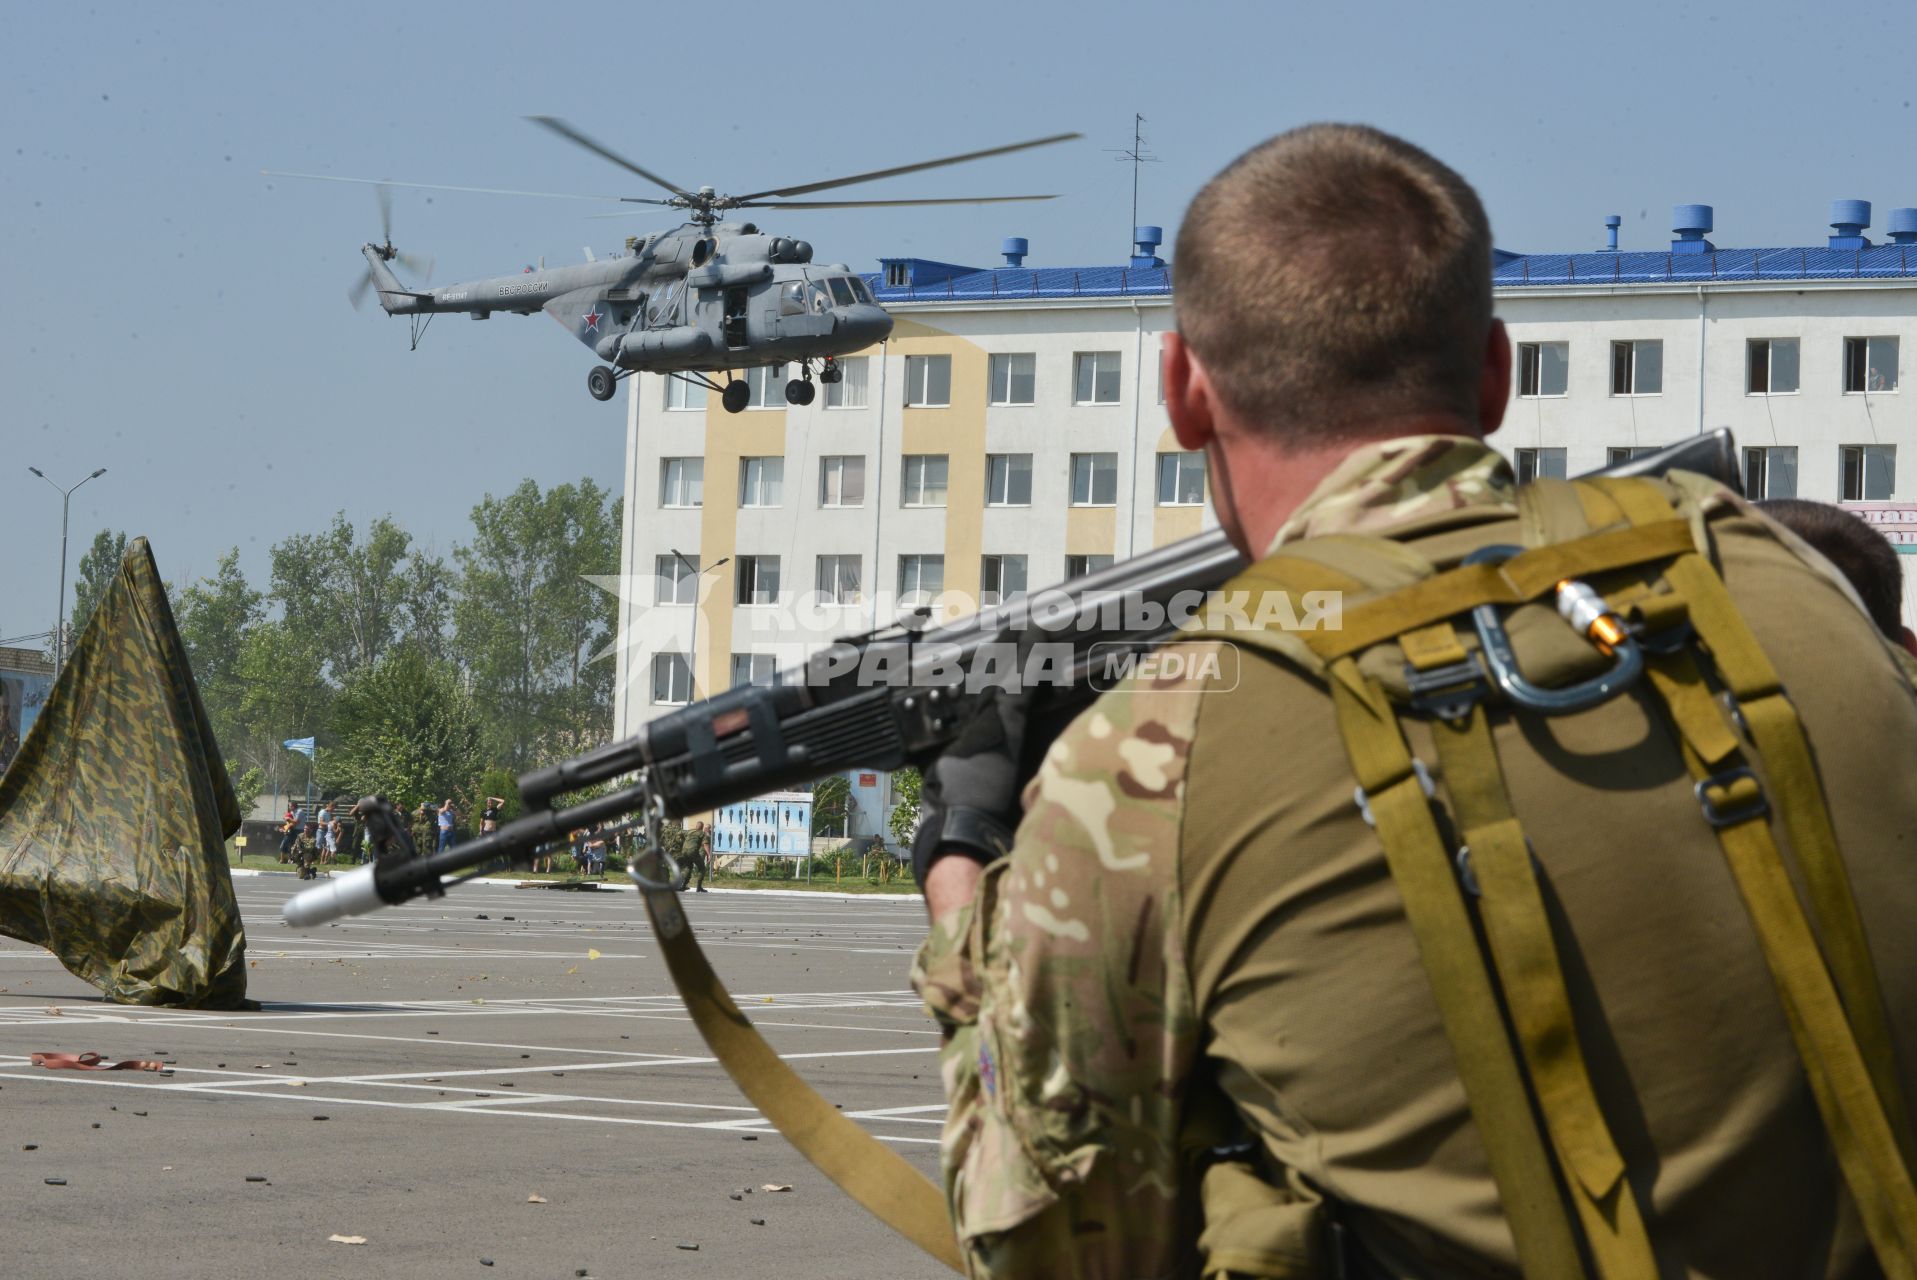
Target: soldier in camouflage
(1181,933)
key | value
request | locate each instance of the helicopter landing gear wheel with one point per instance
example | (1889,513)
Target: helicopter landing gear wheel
(602,382)
(734,397)
(800,393)
(831,372)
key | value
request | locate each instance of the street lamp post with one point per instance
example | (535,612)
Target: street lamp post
(692,657)
(60,614)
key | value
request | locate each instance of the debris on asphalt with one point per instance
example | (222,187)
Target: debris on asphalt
(96,1124)
(757,1222)
(748,1137)
(593,955)
(139,1113)
(689,1248)
(483,916)
(56,1182)
(256,1177)
(776,1186)
(336,1238)
(535,1198)
(485,1262)
(322,1117)
(734,1196)
(29,1146)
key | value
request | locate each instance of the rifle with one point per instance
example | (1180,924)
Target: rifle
(891,698)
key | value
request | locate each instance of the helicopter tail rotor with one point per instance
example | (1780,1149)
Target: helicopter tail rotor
(414,263)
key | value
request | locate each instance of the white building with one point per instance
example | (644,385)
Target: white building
(1011,432)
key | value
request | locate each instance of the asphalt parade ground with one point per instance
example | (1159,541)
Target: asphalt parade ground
(416,1077)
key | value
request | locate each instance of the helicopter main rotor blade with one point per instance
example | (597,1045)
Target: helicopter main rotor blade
(604,152)
(434,186)
(421,267)
(385,194)
(357,294)
(880,204)
(876,174)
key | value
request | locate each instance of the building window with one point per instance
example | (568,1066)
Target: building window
(671,679)
(1870,472)
(928,382)
(842,480)
(1770,472)
(1181,479)
(677,582)
(1619,454)
(1008,479)
(921,579)
(753,668)
(1001,578)
(923,482)
(1544,368)
(1534,464)
(684,394)
(897,275)
(1773,367)
(1015,379)
(1095,377)
(761,481)
(1079,566)
(1870,364)
(758,580)
(1637,368)
(838,580)
(767,387)
(849,391)
(682,482)
(1094,479)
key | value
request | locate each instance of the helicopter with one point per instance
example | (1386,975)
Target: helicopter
(701,301)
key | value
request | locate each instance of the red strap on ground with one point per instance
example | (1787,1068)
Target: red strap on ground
(93,1062)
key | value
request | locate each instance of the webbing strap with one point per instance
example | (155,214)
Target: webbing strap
(1458,590)
(1779,737)
(1854,1114)
(1532,980)
(1454,965)
(864,1168)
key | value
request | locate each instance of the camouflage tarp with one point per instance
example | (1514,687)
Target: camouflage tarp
(114,816)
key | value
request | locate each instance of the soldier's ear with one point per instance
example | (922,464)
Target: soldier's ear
(1190,401)
(1494,380)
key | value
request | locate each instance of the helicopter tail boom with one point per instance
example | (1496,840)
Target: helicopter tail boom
(394,297)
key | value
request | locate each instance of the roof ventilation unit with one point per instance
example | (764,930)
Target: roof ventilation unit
(1689,222)
(1015,248)
(1147,240)
(1848,218)
(1611,223)
(1903,226)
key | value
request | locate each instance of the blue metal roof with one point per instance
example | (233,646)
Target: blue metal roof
(951,282)
(971,284)
(1891,261)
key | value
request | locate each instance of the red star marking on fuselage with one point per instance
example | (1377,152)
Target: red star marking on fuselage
(592,321)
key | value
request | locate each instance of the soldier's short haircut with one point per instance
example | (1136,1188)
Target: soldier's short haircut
(1863,555)
(1336,275)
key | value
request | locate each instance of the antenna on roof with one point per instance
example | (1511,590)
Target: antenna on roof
(1137,155)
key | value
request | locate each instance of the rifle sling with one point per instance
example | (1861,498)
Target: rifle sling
(864,1168)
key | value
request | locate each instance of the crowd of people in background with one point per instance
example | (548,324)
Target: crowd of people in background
(315,834)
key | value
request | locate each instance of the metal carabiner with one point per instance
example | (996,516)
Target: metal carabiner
(655,811)
(1501,661)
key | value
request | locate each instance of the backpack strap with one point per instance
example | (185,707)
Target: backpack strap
(1831,997)
(1393,788)
(1496,858)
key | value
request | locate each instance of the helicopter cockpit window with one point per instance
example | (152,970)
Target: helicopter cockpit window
(841,291)
(792,299)
(862,291)
(821,300)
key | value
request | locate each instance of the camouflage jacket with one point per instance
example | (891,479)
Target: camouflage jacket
(1071,1027)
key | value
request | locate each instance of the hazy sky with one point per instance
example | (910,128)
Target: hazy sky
(170,314)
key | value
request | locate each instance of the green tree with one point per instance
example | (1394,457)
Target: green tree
(528,624)
(98,567)
(345,592)
(830,805)
(215,615)
(904,819)
(284,695)
(405,725)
